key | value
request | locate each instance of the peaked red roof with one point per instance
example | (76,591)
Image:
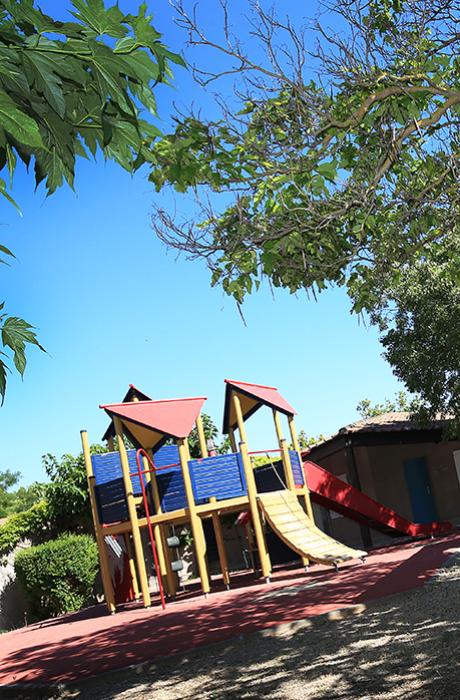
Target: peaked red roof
(149,423)
(132,393)
(252,396)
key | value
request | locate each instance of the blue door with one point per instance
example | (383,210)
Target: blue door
(418,483)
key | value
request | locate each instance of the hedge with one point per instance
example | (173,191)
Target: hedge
(23,525)
(58,576)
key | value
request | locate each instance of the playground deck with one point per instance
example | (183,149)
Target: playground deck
(92,642)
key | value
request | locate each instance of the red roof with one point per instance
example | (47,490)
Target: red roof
(169,417)
(255,395)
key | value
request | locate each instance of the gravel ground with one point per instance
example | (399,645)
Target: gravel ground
(404,646)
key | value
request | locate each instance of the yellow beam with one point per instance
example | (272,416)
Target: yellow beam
(226,504)
(284,452)
(252,494)
(158,535)
(231,435)
(137,541)
(220,545)
(201,436)
(102,547)
(132,565)
(195,520)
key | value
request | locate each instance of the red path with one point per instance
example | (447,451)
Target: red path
(91,642)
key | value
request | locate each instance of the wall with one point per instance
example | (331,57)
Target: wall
(387,467)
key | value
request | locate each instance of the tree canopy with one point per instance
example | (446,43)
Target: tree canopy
(72,89)
(337,156)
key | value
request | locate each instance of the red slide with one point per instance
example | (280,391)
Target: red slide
(335,494)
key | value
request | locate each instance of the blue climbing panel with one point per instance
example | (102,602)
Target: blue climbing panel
(170,481)
(110,491)
(297,468)
(221,476)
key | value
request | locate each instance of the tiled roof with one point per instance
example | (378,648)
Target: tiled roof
(395,420)
(385,422)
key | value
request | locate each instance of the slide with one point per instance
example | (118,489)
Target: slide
(335,494)
(289,521)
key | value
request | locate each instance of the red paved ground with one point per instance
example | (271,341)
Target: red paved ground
(91,642)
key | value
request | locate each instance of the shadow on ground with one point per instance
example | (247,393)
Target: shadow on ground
(404,646)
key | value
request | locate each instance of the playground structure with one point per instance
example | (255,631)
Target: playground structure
(156,486)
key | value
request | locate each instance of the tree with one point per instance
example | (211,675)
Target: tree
(211,433)
(19,500)
(420,335)
(401,402)
(338,162)
(73,89)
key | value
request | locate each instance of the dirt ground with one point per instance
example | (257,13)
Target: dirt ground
(406,647)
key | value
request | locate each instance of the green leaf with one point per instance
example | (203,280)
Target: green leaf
(17,123)
(46,81)
(3,370)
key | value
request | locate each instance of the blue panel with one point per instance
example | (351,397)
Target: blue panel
(107,467)
(418,483)
(297,468)
(221,476)
(170,481)
(110,491)
(111,501)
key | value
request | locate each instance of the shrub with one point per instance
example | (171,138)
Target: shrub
(58,576)
(30,523)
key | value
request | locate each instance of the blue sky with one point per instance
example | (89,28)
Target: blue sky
(113,306)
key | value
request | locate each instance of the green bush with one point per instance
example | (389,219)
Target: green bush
(30,523)
(58,576)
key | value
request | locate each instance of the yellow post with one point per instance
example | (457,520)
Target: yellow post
(231,435)
(137,541)
(201,436)
(295,443)
(220,545)
(132,565)
(252,494)
(284,452)
(290,482)
(158,533)
(195,520)
(103,556)
(250,539)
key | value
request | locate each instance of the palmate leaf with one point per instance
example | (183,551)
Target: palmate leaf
(16,333)
(17,123)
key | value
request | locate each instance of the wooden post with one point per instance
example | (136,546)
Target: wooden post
(167,574)
(103,556)
(201,436)
(137,541)
(252,493)
(286,464)
(110,444)
(290,483)
(231,435)
(195,520)
(295,443)
(220,544)
(132,565)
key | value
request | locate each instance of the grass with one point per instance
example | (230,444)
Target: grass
(404,646)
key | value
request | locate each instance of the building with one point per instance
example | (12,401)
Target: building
(413,470)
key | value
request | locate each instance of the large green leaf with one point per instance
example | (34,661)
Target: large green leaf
(20,125)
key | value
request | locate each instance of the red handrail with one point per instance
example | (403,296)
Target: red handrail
(142,452)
